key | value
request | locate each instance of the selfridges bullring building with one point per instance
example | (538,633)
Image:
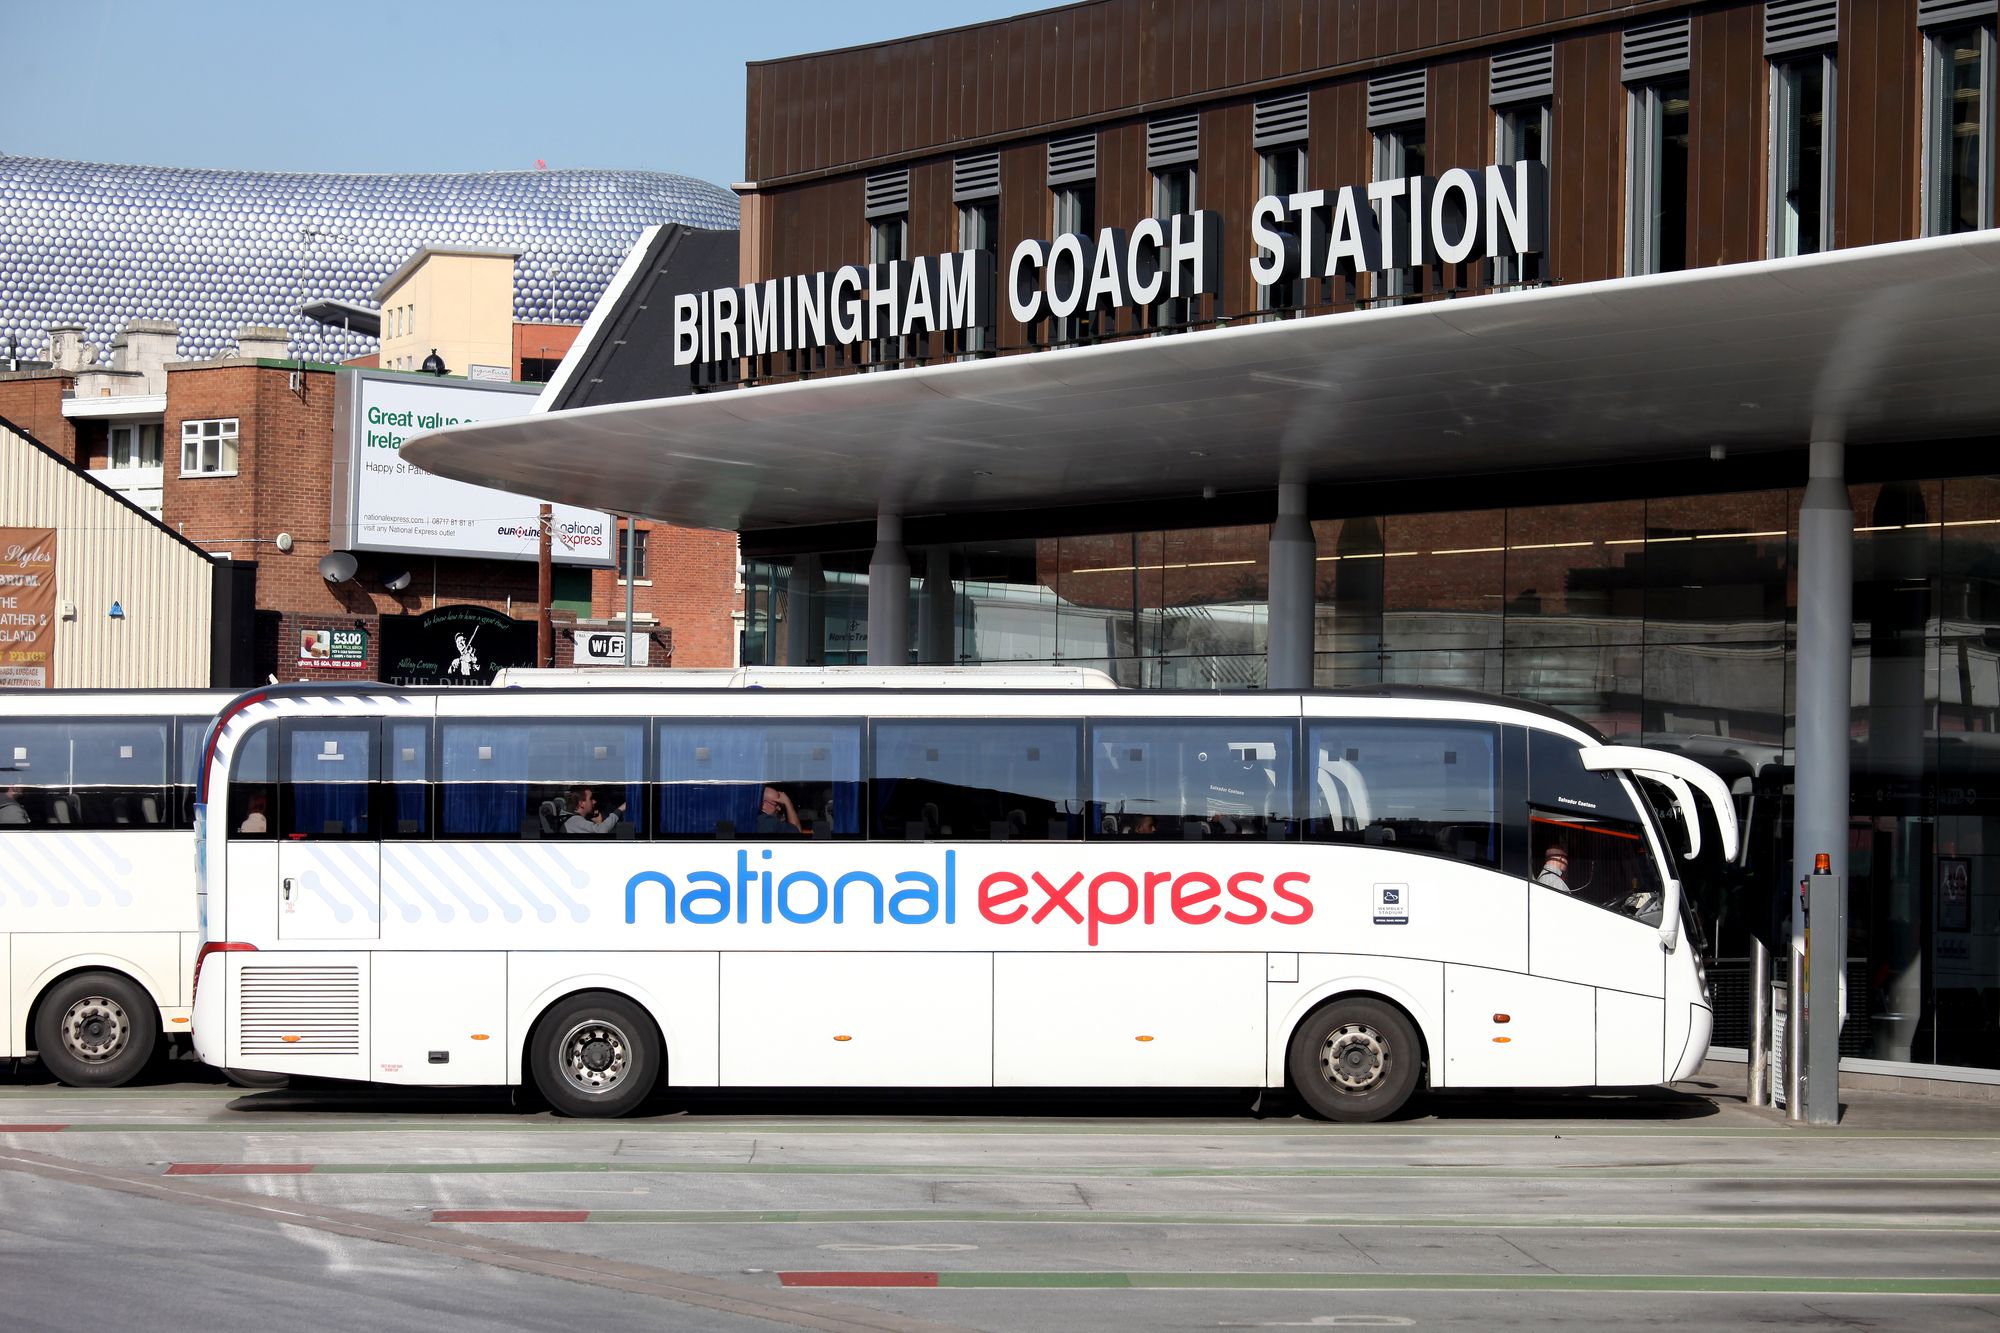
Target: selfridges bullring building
(102,245)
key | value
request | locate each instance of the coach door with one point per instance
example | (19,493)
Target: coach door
(329,856)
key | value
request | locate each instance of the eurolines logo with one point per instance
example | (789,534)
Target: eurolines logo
(764,891)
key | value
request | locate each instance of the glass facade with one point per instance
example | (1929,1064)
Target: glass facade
(1668,621)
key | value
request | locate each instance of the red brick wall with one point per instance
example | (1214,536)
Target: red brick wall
(692,573)
(35,405)
(542,340)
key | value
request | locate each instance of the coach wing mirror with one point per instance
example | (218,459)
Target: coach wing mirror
(1690,817)
(1658,763)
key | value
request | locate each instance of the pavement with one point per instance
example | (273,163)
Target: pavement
(184,1202)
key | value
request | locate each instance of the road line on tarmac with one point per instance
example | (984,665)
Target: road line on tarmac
(1691,1284)
(1099,1217)
(1818,1175)
(753,1301)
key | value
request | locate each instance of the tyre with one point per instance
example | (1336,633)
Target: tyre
(256,1078)
(96,1030)
(1356,1060)
(595,1055)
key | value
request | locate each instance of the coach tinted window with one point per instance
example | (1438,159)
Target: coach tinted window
(977,780)
(328,779)
(1587,839)
(1191,779)
(405,795)
(34,775)
(1409,786)
(772,780)
(253,788)
(118,773)
(542,779)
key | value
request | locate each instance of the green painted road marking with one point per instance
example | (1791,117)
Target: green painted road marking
(1692,1284)
(1099,1217)
(1859,1175)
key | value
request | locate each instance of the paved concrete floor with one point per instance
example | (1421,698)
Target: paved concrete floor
(185,1202)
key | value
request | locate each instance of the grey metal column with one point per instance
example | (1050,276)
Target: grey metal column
(1289,651)
(934,611)
(889,595)
(804,643)
(1825,708)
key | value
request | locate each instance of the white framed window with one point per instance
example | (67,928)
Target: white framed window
(1656,178)
(1173,194)
(1801,154)
(1399,152)
(1958,129)
(1520,134)
(1281,171)
(1074,209)
(136,446)
(979,231)
(208,448)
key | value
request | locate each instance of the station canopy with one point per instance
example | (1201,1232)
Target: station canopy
(1871,345)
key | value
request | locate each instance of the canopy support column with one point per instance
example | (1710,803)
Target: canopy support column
(889,595)
(934,612)
(1289,651)
(1825,712)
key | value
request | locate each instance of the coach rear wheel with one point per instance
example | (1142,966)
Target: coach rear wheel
(97,1030)
(1356,1060)
(595,1055)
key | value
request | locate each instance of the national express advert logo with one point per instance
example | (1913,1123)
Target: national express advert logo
(762,890)
(569,535)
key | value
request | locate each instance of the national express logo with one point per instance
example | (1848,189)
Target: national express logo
(570,536)
(762,890)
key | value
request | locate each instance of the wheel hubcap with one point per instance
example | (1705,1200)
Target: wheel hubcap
(1354,1058)
(595,1056)
(96,1029)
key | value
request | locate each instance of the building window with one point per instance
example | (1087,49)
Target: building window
(1657,178)
(1801,165)
(1173,194)
(888,243)
(1281,171)
(979,231)
(1399,153)
(636,560)
(1521,134)
(208,448)
(539,369)
(136,446)
(1958,116)
(1075,211)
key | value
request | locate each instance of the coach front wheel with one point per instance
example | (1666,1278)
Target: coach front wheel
(595,1055)
(96,1030)
(1356,1060)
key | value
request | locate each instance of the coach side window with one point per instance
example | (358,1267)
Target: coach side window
(1406,785)
(768,780)
(328,780)
(1586,838)
(405,796)
(253,788)
(995,780)
(1192,780)
(34,775)
(548,779)
(118,773)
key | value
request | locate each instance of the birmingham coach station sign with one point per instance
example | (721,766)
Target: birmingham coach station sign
(1404,222)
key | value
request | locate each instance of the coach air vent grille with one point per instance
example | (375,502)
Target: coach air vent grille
(1397,99)
(1072,160)
(975,178)
(320,1006)
(1527,75)
(887,193)
(1281,120)
(1800,25)
(1171,142)
(1933,12)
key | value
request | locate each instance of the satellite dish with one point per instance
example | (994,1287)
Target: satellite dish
(338,566)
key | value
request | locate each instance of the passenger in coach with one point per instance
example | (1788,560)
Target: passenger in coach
(777,813)
(585,817)
(1555,866)
(253,822)
(11,809)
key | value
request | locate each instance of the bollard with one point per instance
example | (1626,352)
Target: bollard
(1822,1044)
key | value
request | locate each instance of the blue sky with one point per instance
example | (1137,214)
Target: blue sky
(416,86)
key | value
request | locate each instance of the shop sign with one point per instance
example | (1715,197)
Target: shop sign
(1463,214)
(596,647)
(27,608)
(454,645)
(381,503)
(336,649)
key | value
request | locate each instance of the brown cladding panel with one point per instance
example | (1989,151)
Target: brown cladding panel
(1877,114)
(1459,131)
(1587,166)
(1727,127)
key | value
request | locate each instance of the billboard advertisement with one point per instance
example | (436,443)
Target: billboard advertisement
(454,645)
(381,503)
(27,608)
